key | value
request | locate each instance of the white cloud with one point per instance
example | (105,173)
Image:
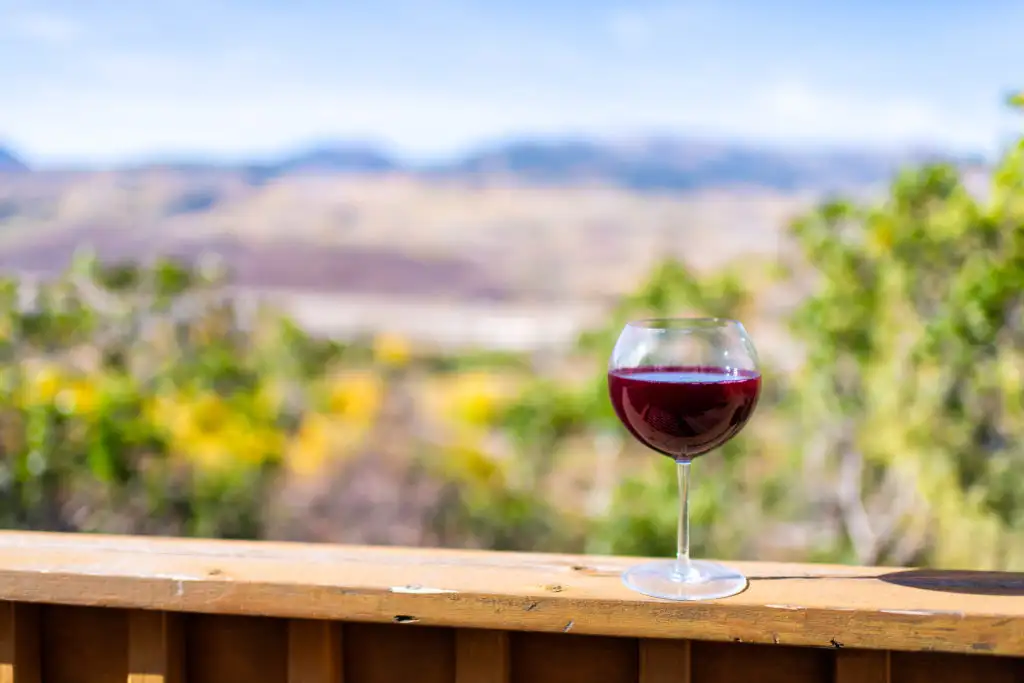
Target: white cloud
(796,111)
(629,29)
(138,67)
(44,27)
(639,27)
(244,116)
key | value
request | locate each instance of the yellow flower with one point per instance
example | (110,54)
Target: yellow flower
(472,466)
(43,383)
(209,412)
(212,435)
(80,397)
(172,415)
(312,445)
(251,445)
(468,400)
(208,454)
(390,349)
(356,396)
(322,439)
(477,398)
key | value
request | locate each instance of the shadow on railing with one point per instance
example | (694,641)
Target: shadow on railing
(967,582)
(1009,584)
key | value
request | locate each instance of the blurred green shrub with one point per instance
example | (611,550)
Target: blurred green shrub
(899,436)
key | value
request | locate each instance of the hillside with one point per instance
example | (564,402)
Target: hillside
(398,235)
(674,165)
(647,165)
(519,222)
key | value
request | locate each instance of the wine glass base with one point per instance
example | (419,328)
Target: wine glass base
(703,581)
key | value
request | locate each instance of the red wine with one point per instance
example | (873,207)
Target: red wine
(684,411)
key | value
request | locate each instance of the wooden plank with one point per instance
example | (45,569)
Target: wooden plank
(805,605)
(228,649)
(314,651)
(481,656)
(375,653)
(665,661)
(156,647)
(731,662)
(937,667)
(19,643)
(558,658)
(862,666)
(83,645)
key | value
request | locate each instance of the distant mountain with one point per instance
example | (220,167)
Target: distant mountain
(9,162)
(663,164)
(652,164)
(337,158)
(678,165)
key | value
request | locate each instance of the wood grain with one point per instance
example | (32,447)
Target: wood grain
(862,666)
(937,667)
(231,649)
(375,653)
(19,643)
(805,605)
(83,645)
(314,651)
(732,662)
(481,656)
(566,658)
(156,647)
(665,661)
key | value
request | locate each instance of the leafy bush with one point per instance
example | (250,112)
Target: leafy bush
(899,438)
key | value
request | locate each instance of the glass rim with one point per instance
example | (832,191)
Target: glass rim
(683,322)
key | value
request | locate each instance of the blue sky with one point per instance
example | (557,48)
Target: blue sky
(113,80)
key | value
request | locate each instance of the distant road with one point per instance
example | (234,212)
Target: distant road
(445,324)
(454,325)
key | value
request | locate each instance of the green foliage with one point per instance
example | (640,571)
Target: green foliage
(912,382)
(470,361)
(138,399)
(129,401)
(899,436)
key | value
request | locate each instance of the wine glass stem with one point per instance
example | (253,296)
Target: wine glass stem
(683,567)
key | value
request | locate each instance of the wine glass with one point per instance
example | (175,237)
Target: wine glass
(684,386)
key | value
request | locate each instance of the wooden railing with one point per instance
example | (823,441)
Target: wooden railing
(93,609)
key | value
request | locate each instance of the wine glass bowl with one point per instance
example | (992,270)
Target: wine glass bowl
(683,387)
